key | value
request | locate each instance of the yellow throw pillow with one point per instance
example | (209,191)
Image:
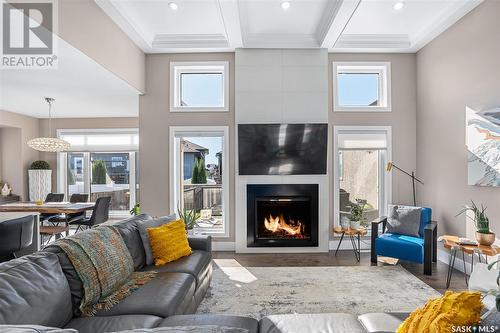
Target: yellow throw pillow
(441,314)
(169,242)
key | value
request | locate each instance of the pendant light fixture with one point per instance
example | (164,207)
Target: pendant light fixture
(49,144)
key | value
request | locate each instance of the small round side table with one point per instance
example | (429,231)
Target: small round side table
(451,243)
(354,235)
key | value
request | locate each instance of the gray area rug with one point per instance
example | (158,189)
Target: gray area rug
(260,291)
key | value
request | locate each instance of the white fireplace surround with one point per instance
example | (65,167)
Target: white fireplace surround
(281,86)
(241,212)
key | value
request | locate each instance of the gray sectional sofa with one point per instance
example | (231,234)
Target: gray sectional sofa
(41,293)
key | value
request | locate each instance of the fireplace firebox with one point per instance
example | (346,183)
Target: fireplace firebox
(282,215)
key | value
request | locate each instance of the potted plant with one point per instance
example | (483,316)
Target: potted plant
(136,210)
(483,234)
(189,216)
(357,217)
(40,180)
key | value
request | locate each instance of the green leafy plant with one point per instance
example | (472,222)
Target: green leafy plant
(99,172)
(136,210)
(40,165)
(199,175)
(480,220)
(357,210)
(189,216)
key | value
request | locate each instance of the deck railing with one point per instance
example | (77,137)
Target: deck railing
(203,196)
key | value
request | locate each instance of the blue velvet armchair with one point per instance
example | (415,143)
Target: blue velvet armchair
(422,249)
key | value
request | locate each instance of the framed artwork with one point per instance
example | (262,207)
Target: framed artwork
(483,147)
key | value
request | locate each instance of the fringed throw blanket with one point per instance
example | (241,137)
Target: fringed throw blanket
(105,267)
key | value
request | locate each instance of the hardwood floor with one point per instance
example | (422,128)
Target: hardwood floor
(343,258)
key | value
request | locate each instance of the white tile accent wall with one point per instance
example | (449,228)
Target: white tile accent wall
(281,86)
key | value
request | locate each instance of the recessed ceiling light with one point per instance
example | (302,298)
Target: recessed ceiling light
(399,5)
(173,5)
(285,5)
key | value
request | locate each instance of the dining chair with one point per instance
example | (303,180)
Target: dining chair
(51,197)
(100,214)
(65,218)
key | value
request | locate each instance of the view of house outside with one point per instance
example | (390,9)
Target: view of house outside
(202,179)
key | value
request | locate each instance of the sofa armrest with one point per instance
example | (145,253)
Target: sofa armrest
(201,242)
(375,225)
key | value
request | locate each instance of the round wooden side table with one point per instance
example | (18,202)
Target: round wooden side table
(451,243)
(354,235)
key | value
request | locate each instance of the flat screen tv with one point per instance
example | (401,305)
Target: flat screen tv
(282,149)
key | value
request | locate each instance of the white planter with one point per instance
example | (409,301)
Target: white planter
(355,224)
(40,184)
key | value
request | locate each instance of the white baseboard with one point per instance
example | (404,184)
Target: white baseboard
(223,246)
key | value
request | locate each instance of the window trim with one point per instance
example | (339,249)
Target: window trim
(382,68)
(178,68)
(387,176)
(174,163)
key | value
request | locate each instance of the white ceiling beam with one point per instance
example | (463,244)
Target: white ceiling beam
(125,23)
(334,20)
(230,16)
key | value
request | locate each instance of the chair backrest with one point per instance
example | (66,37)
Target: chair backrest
(79,197)
(54,197)
(425,218)
(100,213)
(16,234)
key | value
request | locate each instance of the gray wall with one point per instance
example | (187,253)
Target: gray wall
(16,155)
(154,121)
(460,67)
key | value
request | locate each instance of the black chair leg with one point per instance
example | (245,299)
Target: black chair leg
(434,245)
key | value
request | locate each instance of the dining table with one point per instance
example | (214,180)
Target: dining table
(36,209)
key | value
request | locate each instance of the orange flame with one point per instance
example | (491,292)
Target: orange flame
(276,224)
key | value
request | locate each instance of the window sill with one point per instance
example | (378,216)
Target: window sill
(198,109)
(369,109)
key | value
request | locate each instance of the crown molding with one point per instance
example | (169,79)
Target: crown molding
(285,41)
(350,41)
(189,41)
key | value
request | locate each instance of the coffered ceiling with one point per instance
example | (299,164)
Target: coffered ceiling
(164,26)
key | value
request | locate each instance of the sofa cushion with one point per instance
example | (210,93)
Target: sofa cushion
(247,323)
(143,231)
(169,242)
(34,290)
(165,295)
(321,322)
(197,264)
(129,231)
(382,322)
(34,329)
(400,246)
(75,284)
(113,323)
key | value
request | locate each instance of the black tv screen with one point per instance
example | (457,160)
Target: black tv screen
(282,149)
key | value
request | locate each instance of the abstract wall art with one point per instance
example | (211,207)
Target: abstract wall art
(483,145)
